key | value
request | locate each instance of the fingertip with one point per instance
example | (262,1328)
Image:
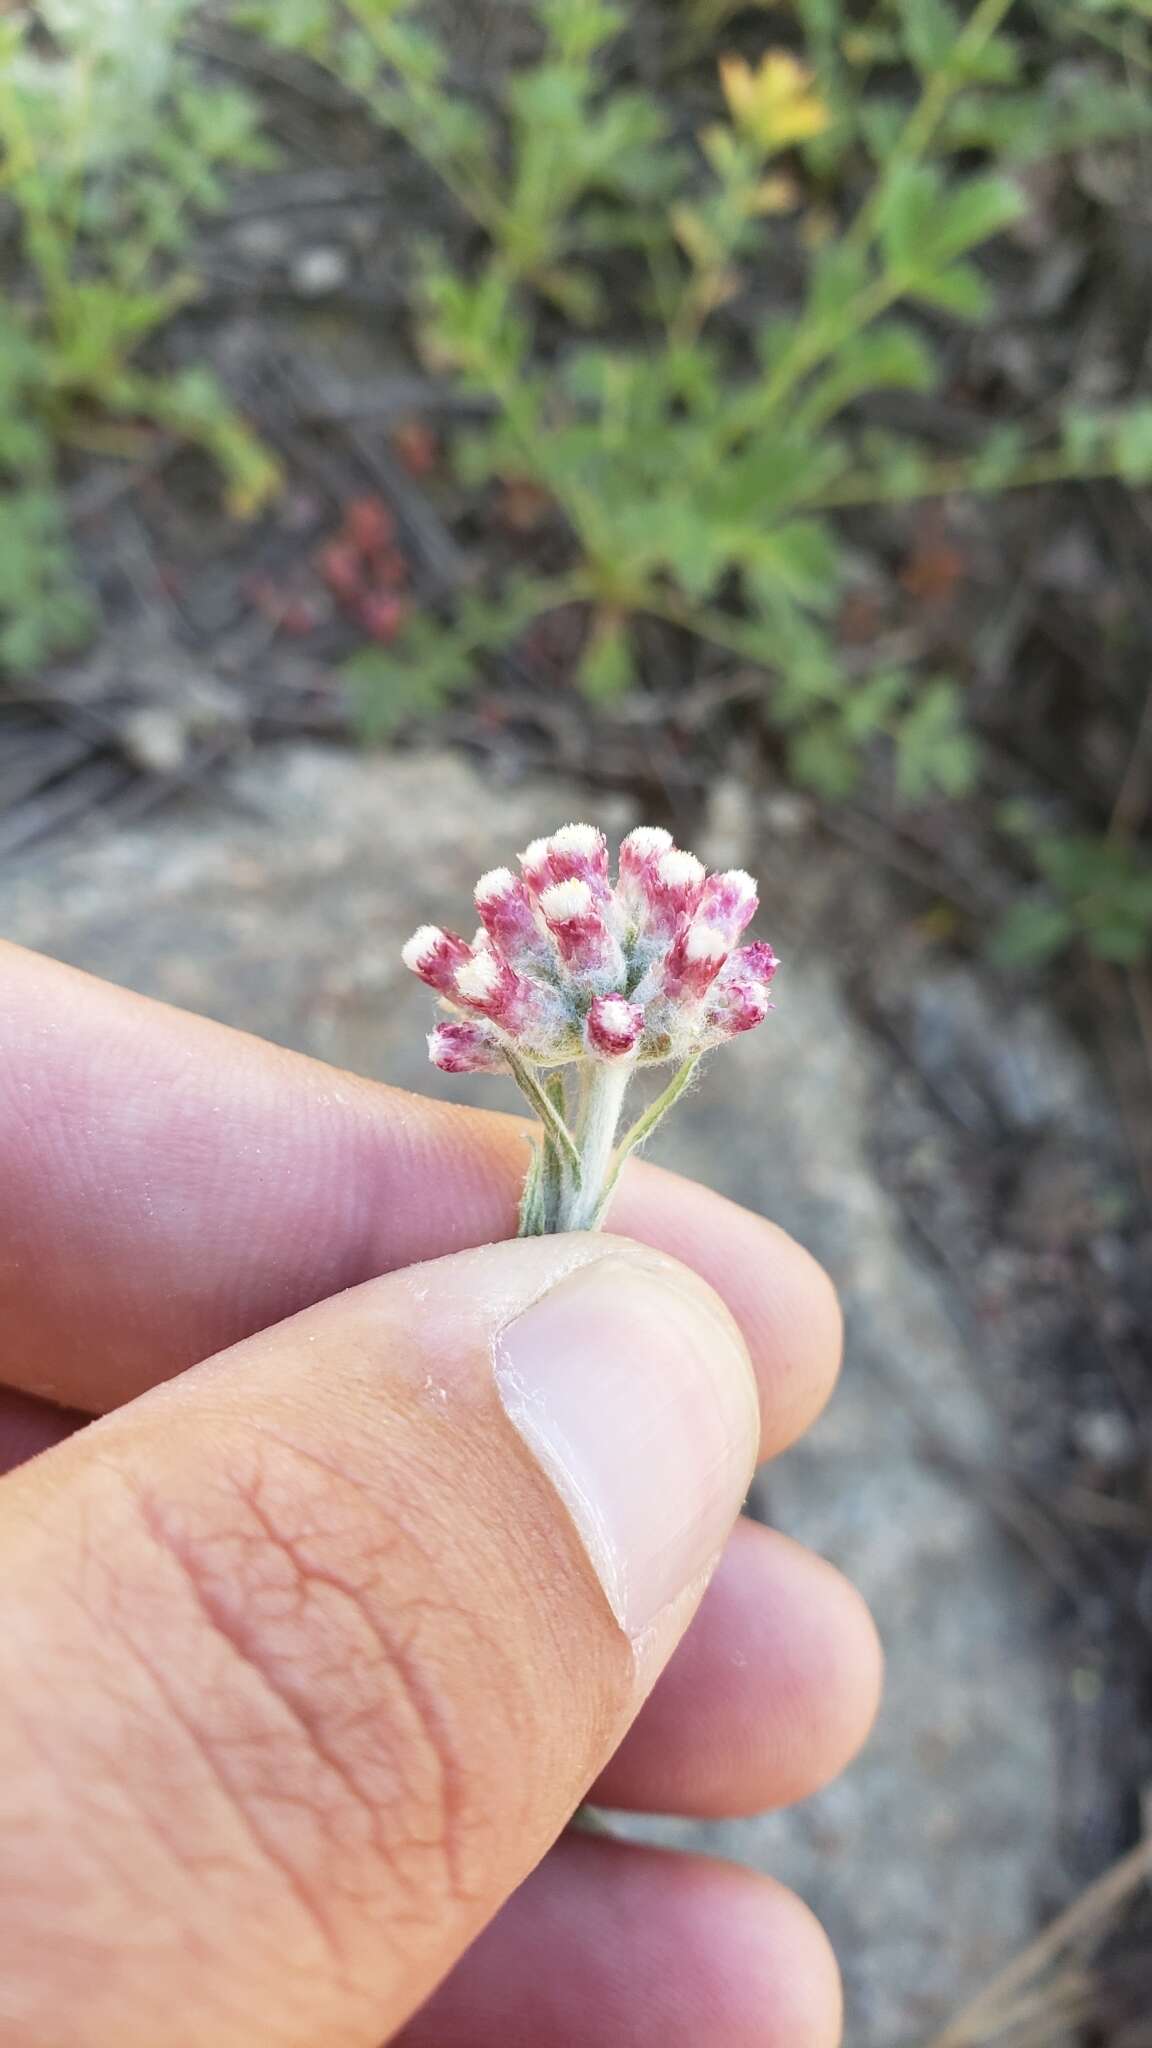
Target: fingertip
(772,1692)
(828,1665)
(771,1976)
(783,1300)
(613,1942)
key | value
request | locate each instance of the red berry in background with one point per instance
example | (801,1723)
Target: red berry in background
(341,569)
(416,447)
(522,506)
(391,570)
(368,525)
(383,617)
(263,594)
(298,618)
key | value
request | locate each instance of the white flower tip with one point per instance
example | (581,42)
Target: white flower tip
(421,947)
(476,979)
(678,870)
(583,840)
(646,842)
(535,855)
(565,900)
(739,881)
(492,886)
(615,1014)
(701,943)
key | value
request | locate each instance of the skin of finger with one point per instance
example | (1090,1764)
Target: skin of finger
(28,1426)
(172,1186)
(771,1693)
(304,1668)
(609,1943)
(768,1697)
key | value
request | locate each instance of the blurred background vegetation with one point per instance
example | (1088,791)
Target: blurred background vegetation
(626,383)
(700,401)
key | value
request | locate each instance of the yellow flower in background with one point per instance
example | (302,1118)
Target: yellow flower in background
(773,102)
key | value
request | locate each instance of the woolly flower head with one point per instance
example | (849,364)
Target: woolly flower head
(570,963)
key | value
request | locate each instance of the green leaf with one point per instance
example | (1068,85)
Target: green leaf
(930,31)
(799,559)
(675,534)
(973,211)
(925,223)
(389,687)
(897,463)
(882,122)
(870,704)
(933,750)
(579,28)
(1132,443)
(606,666)
(887,356)
(839,275)
(960,290)
(1033,931)
(908,204)
(1083,434)
(820,758)
(998,460)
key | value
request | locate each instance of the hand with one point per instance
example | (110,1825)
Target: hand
(307,1652)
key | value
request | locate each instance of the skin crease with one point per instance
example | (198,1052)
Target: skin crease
(135,1242)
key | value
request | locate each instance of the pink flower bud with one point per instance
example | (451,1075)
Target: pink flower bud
(510,922)
(435,956)
(756,962)
(576,853)
(543,983)
(579,853)
(740,998)
(613,1027)
(695,959)
(534,865)
(522,1008)
(582,937)
(671,892)
(729,902)
(740,1006)
(639,854)
(464,1047)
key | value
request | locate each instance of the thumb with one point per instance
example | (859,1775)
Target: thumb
(308,1655)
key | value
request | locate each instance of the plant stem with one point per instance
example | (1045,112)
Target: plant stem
(822,338)
(930,109)
(554,1124)
(646,1124)
(581,1205)
(1052,468)
(642,1129)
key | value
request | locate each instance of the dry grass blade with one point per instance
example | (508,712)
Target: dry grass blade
(1042,1993)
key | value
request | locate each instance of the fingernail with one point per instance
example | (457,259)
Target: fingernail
(633,1388)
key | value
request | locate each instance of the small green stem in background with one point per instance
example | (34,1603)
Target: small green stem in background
(929,111)
(945,477)
(559,1134)
(643,1128)
(573,1174)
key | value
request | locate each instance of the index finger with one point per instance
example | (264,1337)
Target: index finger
(170,1186)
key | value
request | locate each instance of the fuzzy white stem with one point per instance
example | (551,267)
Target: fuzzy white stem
(604,1088)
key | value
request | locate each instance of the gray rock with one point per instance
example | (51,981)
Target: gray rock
(318,271)
(926,1861)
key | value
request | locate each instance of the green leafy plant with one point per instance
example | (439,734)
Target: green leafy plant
(1096,891)
(110,145)
(695,460)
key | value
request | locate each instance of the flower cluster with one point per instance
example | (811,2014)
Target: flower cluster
(571,965)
